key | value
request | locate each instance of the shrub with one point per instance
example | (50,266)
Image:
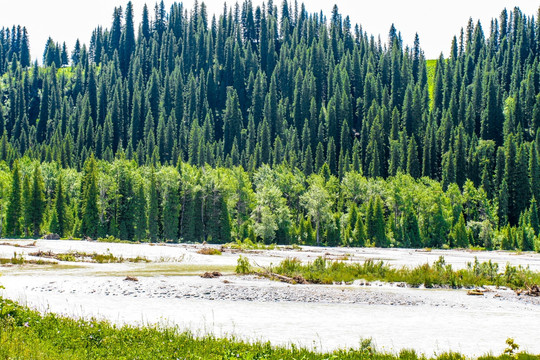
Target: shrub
(243,266)
(209,251)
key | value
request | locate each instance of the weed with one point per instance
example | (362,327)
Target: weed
(243,266)
(438,274)
(18,259)
(86,257)
(512,348)
(247,244)
(209,251)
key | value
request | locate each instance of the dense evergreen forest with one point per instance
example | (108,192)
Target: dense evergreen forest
(276,125)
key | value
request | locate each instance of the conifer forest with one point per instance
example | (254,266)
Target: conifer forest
(276,125)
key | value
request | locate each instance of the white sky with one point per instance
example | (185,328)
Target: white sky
(435,21)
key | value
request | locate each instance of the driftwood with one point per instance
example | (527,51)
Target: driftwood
(532,290)
(45,254)
(299,279)
(475,292)
(131,278)
(211,275)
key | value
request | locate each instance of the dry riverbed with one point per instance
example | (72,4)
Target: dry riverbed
(169,289)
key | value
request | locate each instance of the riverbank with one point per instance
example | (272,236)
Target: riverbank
(170,291)
(26,333)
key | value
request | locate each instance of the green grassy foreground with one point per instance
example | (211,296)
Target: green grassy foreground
(322,271)
(26,334)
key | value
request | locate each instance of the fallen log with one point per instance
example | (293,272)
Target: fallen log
(475,292)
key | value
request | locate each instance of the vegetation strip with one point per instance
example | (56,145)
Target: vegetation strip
(440,274)
(27,334)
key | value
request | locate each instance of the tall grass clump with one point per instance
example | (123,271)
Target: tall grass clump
(323,271)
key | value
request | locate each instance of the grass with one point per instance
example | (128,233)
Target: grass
(26,334)
(322,271)
(19,245)
(209,251)
(112,239)
(247,244)
(87,257)
(18,259)
(156,269)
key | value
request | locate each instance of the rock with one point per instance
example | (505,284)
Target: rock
(51,237)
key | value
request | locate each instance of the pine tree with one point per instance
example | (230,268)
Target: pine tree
(153,211)
(331,156)
(27,206)
(413,164)
(232,120)
(171,211)
(308,162)
(411,231)
(460,158)
(534,221)
(90,220)
(460,233)
(37,202)
(359,233)
(60,225)
(376,227)
(14,209)
(141,220)
(534,172)
(439,234)
(125,209)
(503,203)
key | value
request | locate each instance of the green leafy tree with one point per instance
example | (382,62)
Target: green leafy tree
(317,203)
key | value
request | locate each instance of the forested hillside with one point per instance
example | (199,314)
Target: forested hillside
(273,124)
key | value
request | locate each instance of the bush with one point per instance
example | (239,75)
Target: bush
(243,266)
(209,251)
